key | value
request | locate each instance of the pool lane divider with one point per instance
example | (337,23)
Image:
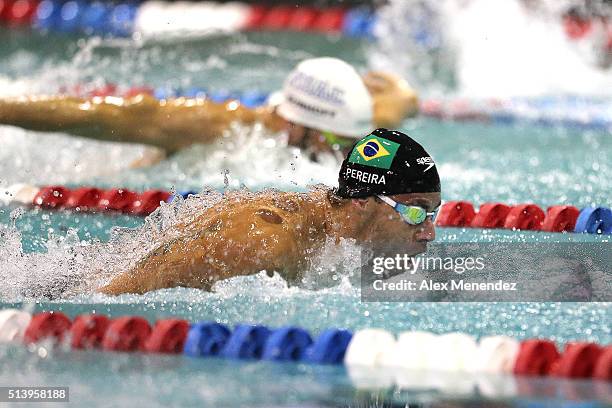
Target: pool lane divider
(90,199)
(375,348)
(150,18)
(520,217)
(526,217)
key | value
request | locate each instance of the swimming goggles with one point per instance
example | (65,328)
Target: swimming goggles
(411,214)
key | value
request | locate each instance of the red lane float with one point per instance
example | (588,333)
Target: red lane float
(168,336)
(47,325)
(455,214)
(330,21)
(4,4)
(303,19)
(603,366)
(560,218)
(117,199)
(104,91)
(20,12)
(491,215)
(87,331)
(525,217)
(90,198)
(84,198)
(51,196)
(127,333)
(577,361)
(139,90)
(256,16)
(277,18)
(147,202)
(536,357)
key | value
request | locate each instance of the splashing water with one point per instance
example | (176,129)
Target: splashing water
(244,156)
(498,49)
(71,266)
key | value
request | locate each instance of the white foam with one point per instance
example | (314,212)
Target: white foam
(498,48)
(505,50)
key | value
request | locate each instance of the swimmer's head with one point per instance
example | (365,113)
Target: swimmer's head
(386,163)
(324,100)
(392,187)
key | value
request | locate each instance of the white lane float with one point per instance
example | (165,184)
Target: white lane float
(411,355)
(13,324)
(155,18)
(18,193)
(496,354)
(365,357)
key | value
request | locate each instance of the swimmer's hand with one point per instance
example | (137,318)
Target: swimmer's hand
(393,99)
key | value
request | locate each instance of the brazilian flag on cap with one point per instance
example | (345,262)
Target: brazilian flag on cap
(374,151)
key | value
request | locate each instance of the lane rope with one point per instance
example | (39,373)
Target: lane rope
(414,350)
(460,214)
(123,19)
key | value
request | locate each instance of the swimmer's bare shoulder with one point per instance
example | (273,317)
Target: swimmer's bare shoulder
(240,236)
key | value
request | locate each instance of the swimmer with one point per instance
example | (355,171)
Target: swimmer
(324,106)
(389,190)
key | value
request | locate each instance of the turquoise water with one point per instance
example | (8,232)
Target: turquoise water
(478,162)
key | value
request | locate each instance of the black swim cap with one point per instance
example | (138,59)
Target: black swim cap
(387,162)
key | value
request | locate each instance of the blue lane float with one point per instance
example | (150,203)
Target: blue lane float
(286,344)
(194,93)
(594,220)
(209,339)
(165,93)
(47,14)
(328,348)
(206,339)
(246,342)
(222,96)
(121,20)
(253,99)
(70,15)
(359,22)
(95,18)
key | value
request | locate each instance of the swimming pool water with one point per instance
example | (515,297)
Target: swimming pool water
(478,162)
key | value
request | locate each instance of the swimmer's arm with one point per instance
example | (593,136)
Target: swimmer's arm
(110,118)
(168,124)
(200,261)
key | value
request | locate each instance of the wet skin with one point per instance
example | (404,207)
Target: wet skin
(274,231)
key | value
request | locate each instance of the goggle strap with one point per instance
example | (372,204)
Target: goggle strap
(387,200)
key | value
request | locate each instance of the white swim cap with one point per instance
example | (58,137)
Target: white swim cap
(329,95)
